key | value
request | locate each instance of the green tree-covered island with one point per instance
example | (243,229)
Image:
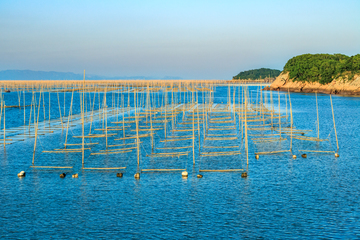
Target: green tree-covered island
(322,68)
(325,73)
(258,74)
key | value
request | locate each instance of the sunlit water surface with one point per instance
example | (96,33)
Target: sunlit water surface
(316,197)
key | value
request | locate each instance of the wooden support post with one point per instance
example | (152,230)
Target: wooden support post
(36,128)
(291,120)
(332,110)
(317,115)
(246,136)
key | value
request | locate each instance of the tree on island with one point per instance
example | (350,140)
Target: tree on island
(260,73)
(322,68)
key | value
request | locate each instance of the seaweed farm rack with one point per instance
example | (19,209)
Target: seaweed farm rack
(153,126)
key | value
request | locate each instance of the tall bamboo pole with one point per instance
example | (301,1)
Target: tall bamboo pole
(83,123)
(4,106)
(31,107)
(198,121)
(70,110)
(332,110)
(193,139)
(137,134)
(24,113)
(123,115)
(36,128)
(105,107)
(317,115)
(279,115)
(60,111)
(246,136)
(272,108)
(49,109)
(165,120)
(291,119)
(234,112)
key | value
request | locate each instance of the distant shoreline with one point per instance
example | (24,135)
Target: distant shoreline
(266,80)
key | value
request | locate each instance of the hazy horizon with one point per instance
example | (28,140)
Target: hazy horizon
(187,39)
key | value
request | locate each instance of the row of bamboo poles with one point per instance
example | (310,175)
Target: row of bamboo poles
(172,115)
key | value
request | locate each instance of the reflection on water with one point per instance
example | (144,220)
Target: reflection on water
(313,197)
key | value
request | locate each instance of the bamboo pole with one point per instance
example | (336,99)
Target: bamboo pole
(70,110)
(92,112)
(246,136)
(234,113)
(105,107)
(31,107)
(332,110)
(137,135)
(151,127)
(2,107)
(272,108)
(49,109)
(279,114)
(193,140)
(225,170)
(43,109)
(36,129)
(291,119)
(83,123)
(60,111)
(123,115)
(317,115)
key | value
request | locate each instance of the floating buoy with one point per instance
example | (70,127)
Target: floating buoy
(137,175)
(337,155)
(257,156)
(199,176)
(304,155)
(75,175)
(119,174)
(294,156)
(184,174)
(62,175)
(21,174)
(244,175)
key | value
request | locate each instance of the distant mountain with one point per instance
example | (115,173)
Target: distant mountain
(42,75)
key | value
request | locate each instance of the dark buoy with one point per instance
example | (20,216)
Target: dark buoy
(304,155)
(184,174)
(21,174)
(137,175)
(119,174)
(244,175)
(199,176)
(75,175)
(257,156)
(62,175)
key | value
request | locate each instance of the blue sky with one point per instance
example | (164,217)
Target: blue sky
(189,39)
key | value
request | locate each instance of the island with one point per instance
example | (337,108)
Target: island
(266,75)
(323,73)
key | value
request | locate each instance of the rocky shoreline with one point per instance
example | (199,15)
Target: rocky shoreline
(338,86)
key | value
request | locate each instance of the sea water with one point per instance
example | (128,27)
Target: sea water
(282,197)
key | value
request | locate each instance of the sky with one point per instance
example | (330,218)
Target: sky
(196,39)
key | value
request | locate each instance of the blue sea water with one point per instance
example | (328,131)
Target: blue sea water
(282,198)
